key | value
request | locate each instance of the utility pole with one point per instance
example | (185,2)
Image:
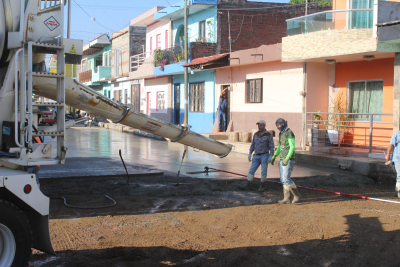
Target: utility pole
(69,20)
(185,53)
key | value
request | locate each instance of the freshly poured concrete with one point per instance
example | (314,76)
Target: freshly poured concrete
(95,151)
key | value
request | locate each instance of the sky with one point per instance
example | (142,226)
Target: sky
(111,16)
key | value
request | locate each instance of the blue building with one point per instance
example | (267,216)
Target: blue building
(96,65)
(202,33)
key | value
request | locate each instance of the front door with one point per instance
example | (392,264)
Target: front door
(135,97)
(177,107)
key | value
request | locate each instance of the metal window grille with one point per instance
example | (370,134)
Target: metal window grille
(197,97)
(202,26)
(84,65)
(160,100)
(254,91)
(116,63)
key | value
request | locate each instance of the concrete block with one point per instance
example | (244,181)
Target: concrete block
(234,136)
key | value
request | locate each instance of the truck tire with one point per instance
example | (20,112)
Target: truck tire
(15,236)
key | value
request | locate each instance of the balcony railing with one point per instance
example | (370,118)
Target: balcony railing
(85,76)
(137,60)
(368,132)
(331,20)
(168,56)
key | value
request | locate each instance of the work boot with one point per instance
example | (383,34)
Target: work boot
(286,195)
(263,187)
(397,190)
(295,191)
(246,185)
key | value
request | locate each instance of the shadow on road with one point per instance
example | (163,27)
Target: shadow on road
(364,244)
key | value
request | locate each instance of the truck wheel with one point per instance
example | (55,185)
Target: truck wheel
(15,236)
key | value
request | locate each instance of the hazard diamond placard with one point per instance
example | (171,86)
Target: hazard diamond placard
(51,23)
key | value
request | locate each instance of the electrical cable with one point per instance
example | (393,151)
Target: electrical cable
(85,207)
(91,17)
(313,189)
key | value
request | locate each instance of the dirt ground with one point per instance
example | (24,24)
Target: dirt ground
(209,222)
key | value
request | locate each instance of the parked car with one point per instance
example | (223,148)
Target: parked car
(46,116)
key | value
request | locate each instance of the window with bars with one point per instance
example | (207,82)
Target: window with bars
(196,97)
(254,90)
(202,28)
(116,63)
(84,65)
(160,101)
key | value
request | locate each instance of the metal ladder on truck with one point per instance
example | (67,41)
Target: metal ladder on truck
(24,133)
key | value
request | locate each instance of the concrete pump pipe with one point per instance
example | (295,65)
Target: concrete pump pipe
(80,96)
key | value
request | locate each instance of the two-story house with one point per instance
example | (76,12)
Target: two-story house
(214,28)
(357,103)
(95,69)
(126,43)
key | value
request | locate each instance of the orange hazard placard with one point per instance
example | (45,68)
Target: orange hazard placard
(151,127)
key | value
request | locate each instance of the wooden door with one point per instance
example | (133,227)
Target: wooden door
(135,97)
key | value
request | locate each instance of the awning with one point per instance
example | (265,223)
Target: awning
(207,60)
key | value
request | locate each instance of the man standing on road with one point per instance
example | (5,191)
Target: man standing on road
(286,150)
(263,147)
(222,106)
(394,144)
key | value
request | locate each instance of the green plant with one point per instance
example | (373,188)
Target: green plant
(317,117)
(338,120)
(159,55)
(210,26)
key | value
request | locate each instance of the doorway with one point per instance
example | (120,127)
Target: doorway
(228,103)
(177,101)
(135,97)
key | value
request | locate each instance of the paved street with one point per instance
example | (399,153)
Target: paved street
(95,151)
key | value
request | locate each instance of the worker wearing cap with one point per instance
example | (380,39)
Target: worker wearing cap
(263,148)
(286,150)
(394,147)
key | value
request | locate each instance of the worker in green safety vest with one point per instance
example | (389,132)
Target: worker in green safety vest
(286,148)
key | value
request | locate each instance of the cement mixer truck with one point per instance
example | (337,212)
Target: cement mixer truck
(30,30)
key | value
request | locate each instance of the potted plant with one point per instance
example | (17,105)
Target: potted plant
(316,119)
(337,121)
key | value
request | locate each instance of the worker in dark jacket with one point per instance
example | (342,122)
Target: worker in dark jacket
(263,148)
(222,108)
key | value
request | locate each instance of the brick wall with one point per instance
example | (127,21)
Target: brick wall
(120,40)
(199,49)
(328,43)
(129,41)
(137,39)
(253,28)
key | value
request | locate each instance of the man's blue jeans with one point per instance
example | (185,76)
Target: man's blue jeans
(285,172)
(222,121)
(257,161)
(397,167)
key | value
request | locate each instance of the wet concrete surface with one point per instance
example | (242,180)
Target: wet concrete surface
(95,151)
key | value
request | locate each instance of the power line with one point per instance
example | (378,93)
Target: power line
(91,16)
(107,13)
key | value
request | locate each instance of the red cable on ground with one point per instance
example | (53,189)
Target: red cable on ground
(315,189)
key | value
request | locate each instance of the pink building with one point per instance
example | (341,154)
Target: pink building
(263,87)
